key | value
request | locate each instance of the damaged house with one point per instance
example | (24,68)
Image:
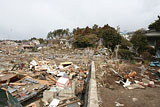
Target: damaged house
(154,40)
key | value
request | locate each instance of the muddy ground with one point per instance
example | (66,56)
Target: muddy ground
(110,93)
(149,97)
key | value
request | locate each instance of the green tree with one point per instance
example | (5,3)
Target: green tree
(139,41)
(41,41)
(50,35)
(95,27)
(81,41)
(33,38)
(111,38)
(58,33)
(124,51)
(125,44)
(155,25)
(87,31)
(66,32)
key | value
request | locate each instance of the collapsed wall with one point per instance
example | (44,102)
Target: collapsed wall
(91,97)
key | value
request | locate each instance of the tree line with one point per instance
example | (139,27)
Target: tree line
(58,33)
(109,36)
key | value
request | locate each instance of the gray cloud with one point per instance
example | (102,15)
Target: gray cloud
(23,19)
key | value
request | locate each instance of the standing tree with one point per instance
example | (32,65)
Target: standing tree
(124,51)
(81,41)
(41,41)
(95,27)
(50,35)
(33,38)
(58,33)
(139,41)
(111,38)
(155,25)
(125,44)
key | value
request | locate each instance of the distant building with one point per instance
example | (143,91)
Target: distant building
(66,43)
(125,35)
(9,42)
(130,34)
(36,42)
(153,38)
(28,45)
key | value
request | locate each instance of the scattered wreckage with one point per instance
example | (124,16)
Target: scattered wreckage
(54,84)
(130,76)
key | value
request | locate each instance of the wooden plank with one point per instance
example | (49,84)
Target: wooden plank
(15,84)
(62,105)
(41,81)
(51,78)
(71,99)
(5,77)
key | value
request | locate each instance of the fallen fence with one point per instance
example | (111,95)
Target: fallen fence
(91,90)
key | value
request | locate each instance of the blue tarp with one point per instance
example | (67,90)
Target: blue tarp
(156,63)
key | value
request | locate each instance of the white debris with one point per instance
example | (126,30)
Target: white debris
(134,99)
(54,103)
(119,104)
(127,83)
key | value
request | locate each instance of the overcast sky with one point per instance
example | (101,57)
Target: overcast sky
(23,19)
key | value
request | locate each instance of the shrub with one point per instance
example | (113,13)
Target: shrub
(125,44)
(133,62)
(125,54)
(147,62)
(34,49)
(146,55)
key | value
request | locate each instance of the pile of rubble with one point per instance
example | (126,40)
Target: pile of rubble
(53,84)
(130,76)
